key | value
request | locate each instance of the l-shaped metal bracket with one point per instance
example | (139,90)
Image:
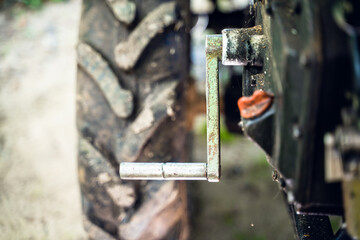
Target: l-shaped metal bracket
(191,171)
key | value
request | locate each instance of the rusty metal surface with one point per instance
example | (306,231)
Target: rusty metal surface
(243,46)
(213,56)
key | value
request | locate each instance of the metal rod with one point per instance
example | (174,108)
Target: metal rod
(163,171)
(213,56)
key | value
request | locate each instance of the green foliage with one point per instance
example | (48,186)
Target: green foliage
(336,222)
(225,135)
(35,4)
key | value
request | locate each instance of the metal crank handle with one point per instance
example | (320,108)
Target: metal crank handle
(191,171)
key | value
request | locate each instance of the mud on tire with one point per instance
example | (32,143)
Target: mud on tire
(132,67)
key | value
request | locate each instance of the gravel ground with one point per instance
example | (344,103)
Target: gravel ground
(38,181)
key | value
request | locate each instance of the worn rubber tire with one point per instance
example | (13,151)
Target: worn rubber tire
(143,122)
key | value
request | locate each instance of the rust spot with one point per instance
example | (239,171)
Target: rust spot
(255,105)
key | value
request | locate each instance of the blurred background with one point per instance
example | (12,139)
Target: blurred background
(39,192)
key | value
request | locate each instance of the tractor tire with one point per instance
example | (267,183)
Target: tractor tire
(133,62)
